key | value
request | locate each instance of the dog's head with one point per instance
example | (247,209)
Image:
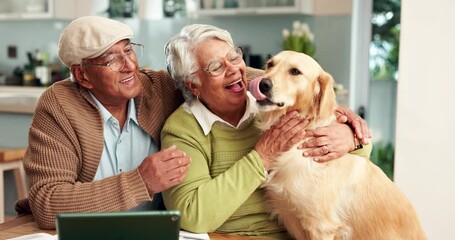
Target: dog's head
(294,81)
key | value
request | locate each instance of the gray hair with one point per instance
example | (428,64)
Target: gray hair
(180,53)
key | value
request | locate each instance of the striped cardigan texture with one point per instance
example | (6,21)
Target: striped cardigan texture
(65,146)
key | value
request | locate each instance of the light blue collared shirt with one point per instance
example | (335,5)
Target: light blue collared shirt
(124,150)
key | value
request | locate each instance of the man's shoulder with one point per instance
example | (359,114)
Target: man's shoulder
(158,83)
(154,74)
(61,88)
(64,94)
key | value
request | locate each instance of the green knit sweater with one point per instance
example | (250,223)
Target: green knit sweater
(221,191)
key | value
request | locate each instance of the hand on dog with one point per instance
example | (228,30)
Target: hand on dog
(284,134)
(328,143)
(333,141)
(361,130)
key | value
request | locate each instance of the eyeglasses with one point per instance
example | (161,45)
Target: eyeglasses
(117,61)
(217,67)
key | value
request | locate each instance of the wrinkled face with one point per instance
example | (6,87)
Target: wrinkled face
(225,91)
(293,81)
(111,88)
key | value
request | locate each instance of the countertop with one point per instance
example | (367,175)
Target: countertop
(17,99)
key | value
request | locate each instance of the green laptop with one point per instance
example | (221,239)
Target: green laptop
(151,225)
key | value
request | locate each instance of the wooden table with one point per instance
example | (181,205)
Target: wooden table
(26,225)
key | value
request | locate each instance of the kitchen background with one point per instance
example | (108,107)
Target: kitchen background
(260,33)
(424,159)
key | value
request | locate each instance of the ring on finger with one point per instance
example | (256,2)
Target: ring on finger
(327,147)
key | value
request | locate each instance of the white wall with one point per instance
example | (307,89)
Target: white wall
(425,130)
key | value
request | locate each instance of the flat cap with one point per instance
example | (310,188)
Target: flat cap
(89,37)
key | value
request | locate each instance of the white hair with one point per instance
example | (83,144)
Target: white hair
(181,59)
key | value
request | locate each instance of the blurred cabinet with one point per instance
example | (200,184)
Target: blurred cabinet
(51,9)
(26,9)
(71,9)
(325,7)
(153,9)
(207,8)
(126,9)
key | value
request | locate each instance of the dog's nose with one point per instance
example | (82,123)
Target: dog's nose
(265,86)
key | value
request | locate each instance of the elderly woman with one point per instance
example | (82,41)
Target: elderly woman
(215,128)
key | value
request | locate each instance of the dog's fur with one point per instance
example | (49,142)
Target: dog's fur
(346,198)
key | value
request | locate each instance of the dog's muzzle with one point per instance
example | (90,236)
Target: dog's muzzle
(261,89)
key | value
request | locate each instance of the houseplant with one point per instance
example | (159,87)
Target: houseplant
(299,39)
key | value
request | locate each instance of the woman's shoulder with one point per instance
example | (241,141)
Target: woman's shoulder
(180,117)
(182,123)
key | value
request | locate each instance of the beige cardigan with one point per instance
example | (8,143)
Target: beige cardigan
(65,146)
(66,143)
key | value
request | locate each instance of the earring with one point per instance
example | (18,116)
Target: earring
(196,93)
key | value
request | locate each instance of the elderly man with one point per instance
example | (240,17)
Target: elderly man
(94,139)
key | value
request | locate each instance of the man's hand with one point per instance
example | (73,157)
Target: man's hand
(164,169)
(359,125)
(328,143)
(333,141)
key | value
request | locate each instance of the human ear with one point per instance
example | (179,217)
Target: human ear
(193,88)
(80,77)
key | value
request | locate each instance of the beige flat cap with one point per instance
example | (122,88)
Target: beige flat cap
(89,37)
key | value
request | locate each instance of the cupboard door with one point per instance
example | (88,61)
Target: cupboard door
(207,8)
(72,9)
(26,9)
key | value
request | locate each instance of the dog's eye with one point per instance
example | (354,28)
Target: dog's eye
(295,71)
(269,64)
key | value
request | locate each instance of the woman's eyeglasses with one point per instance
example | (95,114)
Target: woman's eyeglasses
(217,67)
(117,61)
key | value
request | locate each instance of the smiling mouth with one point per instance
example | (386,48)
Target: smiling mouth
(235,86)
(127,80)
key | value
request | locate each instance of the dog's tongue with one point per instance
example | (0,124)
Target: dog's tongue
(254,88)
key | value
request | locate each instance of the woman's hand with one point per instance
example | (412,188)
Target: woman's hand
(284,134)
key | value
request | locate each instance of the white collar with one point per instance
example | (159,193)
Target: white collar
(206,118)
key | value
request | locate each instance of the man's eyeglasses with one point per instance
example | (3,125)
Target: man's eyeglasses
(117,61)
(217,67)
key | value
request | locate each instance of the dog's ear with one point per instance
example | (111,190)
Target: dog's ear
(326,99)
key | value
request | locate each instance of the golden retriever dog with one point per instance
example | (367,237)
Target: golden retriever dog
(346,198)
